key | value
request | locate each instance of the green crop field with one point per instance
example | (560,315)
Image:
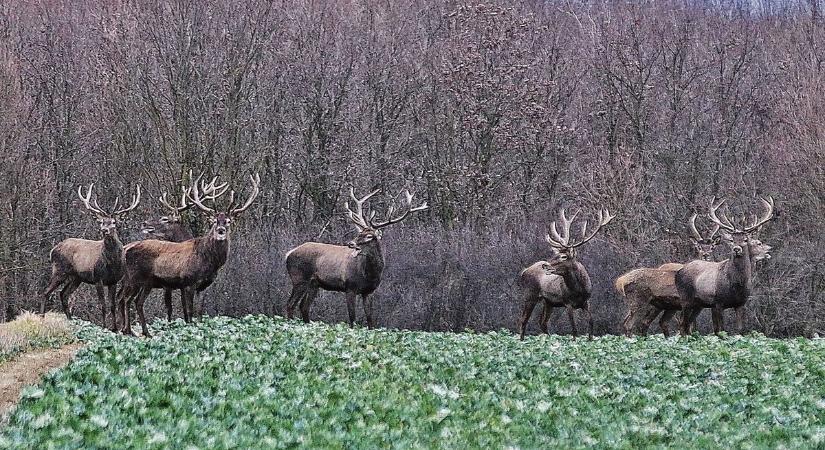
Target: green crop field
(260,382)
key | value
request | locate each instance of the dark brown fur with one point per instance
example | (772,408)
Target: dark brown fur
(561,282)
(77,261)
(354,269)
(171,229)
(184,265)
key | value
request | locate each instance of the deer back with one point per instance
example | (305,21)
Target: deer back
(556,288)
(334,267)
(653,283)
(90,261)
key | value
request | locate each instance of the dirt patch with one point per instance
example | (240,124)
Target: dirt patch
(26,369)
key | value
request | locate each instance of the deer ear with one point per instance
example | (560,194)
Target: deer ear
(555,250)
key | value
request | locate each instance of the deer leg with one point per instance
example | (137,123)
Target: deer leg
(350,297)
(139,307)
(295,297)
(113,303)
(526,312)
(589,322)
(126,296)
(546,314)
(54,283)
(627,323)
(716,315)
(309,296)
(195,307)
(64,296)
(167,300)
(688,317)
(195,304)
(740,319)
(650,313)
(368,310)
(572,316)
(664,322)
(101,296)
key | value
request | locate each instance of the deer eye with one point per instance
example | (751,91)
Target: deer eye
(164,219)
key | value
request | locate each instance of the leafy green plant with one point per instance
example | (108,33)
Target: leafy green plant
(260,382)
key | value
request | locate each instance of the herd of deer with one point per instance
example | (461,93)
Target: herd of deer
(172,259)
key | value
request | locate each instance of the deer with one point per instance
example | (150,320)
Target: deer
(169,228)
(354,269)
(647,287)
(725,284)
(76,261)
(183,265)
(562,281)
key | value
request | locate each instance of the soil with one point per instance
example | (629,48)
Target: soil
(26,369)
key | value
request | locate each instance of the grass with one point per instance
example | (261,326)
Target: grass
(260,382)
(30,331)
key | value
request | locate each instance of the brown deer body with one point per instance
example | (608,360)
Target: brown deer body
(354,269)
(184,265)
(725,284)
(560,282)
(655,292)
(77,261)
(169,228)
(648,289)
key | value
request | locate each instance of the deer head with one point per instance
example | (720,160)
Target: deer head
(106,220)
(369,230)
(738,237)
(564,246)
(704,245)
(169,227)
(201,192)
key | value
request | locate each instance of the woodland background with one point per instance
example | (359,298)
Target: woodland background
(496,113)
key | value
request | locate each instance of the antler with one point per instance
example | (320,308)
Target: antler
(562,240)
(692,226)
(357,216)
(183,205)
(696,234)
(135,201)
(604,218)
(408,197)
(725,223)
(87,201)
(211,191)
(256,183)
(768,203)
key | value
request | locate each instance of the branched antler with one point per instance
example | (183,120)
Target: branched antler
(357,217)
(562,240)
(722,220)
(92,205)
(408,198)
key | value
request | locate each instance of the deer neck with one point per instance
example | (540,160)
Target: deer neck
(180,234)
(370,259)
(112,248)
(213,251)
(576,280)
(738,276)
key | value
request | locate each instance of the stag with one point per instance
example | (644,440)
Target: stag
(725,284)
(562,281)
(169,228)
(647,289)
(354,269)
(181,265)
(76,261)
